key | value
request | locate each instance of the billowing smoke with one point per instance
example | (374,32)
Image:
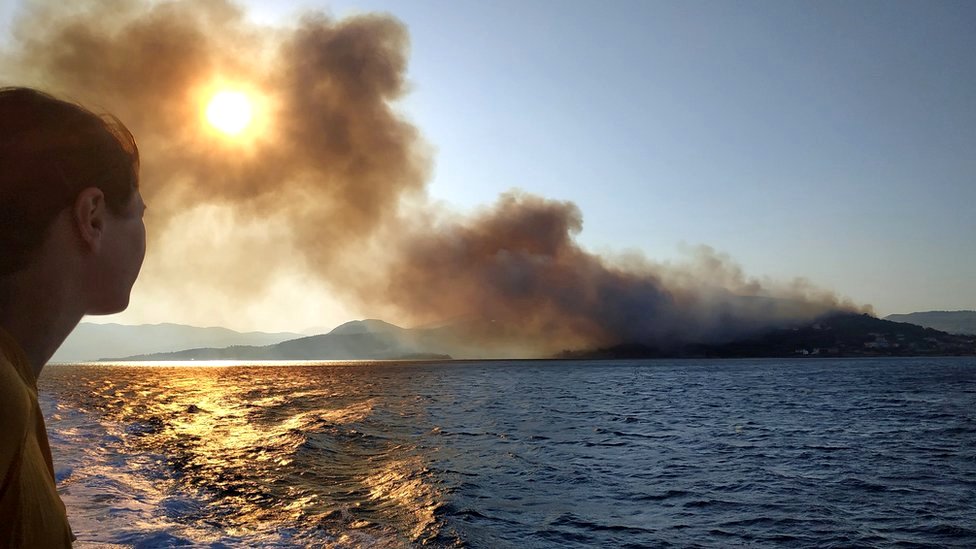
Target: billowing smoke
(330,184)
(518,271)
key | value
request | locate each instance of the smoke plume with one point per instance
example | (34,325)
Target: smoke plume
(330,186)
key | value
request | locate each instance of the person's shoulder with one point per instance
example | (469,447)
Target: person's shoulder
(15,410)
(15,392)
(13,358)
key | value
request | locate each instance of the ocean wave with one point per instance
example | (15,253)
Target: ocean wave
(710,454)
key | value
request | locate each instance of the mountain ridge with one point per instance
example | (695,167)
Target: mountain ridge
(91,341)
(953,322)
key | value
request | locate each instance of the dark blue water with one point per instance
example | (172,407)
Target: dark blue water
(795,453)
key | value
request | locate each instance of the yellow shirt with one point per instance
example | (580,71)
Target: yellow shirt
(31,512)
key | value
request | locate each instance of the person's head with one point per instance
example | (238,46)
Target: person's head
(69,186)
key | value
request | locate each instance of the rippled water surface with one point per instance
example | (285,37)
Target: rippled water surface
(519,454)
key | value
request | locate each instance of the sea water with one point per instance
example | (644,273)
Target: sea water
(716,453)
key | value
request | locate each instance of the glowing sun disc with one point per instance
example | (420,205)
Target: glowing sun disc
(229,112)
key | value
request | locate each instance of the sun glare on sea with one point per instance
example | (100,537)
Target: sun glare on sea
(230,112)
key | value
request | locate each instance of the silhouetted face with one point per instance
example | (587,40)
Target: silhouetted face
(123,249)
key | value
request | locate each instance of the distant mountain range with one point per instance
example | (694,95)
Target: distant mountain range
(90,341)
(836,335)
(842,334)
(953,322)
(359,339)
(371,339)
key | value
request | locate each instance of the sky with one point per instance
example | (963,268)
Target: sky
(826,140)
(829,140)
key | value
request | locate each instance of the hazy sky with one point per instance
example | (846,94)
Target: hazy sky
(830,140)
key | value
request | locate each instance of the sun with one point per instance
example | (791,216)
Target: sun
(230,112)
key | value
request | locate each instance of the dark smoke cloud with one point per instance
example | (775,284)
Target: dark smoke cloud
(517,264)
(338,177)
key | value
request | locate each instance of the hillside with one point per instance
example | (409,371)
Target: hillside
(839,335)
(953,322)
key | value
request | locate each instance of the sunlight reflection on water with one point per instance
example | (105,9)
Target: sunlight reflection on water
(257,453)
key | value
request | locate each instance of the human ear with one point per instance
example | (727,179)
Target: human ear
(88,215)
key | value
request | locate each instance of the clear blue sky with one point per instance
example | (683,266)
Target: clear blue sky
(834,140)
